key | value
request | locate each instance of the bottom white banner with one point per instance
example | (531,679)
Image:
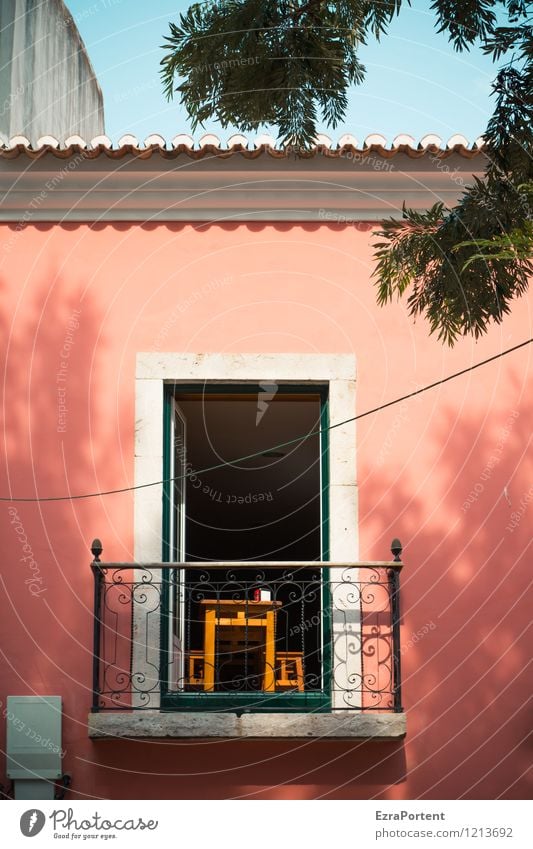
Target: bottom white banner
(236,824)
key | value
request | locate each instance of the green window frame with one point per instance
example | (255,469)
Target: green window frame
(251,702)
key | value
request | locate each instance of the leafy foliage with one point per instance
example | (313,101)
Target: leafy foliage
(289,63)
(253,62)
(464,266)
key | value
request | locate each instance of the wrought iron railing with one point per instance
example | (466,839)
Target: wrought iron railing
(247,636)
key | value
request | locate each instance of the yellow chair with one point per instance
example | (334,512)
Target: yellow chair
(234,622)
(289,670)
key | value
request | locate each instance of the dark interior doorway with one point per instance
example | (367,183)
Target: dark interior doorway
(264,508)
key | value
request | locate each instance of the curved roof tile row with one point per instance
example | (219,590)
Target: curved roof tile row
(211,145)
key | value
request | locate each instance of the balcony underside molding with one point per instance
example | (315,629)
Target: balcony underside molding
(275,726)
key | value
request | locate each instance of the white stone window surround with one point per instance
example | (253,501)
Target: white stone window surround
(338,373)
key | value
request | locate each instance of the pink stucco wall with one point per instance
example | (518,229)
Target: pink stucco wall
(448,472)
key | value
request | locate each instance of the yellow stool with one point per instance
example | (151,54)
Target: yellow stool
(289,670)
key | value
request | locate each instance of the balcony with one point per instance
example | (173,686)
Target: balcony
(247,649)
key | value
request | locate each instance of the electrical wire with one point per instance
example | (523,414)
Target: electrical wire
(273,447)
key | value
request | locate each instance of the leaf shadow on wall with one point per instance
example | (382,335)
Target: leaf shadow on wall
(56,440)
(465,586)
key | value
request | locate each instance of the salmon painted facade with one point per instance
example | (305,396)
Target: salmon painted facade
(207,317)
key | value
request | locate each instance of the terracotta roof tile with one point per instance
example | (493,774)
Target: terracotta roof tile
(238,145)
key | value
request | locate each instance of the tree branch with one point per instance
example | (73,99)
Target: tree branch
(308,6)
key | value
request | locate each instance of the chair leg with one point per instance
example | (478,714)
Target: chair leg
(299,674)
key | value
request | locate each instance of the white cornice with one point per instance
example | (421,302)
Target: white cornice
(320,189)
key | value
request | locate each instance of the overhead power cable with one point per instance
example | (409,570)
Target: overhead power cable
(272,447)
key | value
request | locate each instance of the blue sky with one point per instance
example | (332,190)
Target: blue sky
(415,82)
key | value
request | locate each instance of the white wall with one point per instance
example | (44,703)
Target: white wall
(47,83)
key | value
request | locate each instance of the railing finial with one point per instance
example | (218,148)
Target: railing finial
(96,550)
(396,550)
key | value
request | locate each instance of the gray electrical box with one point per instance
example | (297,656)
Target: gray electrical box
(33,737)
